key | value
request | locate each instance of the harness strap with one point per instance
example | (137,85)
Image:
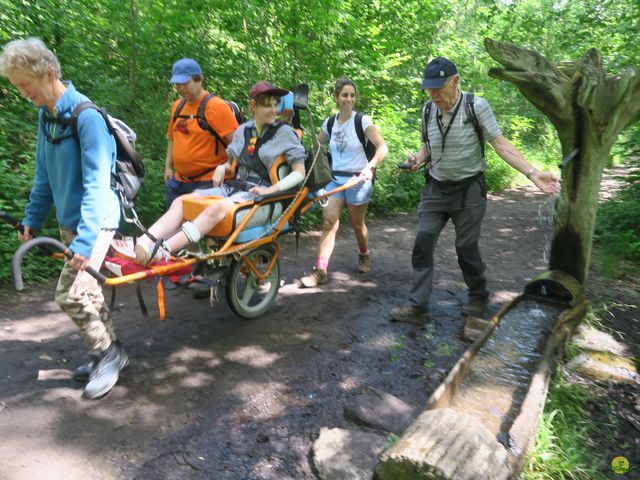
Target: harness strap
(202,122)
(472,118)
(143,307)
(161,307)
(252,144)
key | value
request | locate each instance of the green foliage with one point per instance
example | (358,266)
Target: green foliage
(120,55)
(562,449)
(617,232)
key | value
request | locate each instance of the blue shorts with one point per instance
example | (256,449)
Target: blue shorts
(359,194)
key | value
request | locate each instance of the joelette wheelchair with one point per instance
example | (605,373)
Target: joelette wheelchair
(242,251)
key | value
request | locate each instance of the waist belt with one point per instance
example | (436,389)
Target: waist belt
(193,177)
(448,187)
(343,173)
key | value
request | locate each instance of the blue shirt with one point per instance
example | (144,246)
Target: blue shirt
(73,176)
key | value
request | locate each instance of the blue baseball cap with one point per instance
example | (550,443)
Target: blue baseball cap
(437,72)
(183,70)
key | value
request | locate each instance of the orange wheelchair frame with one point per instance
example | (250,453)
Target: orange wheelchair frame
(249,268)
(242,256)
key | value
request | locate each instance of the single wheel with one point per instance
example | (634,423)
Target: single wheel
(247,297)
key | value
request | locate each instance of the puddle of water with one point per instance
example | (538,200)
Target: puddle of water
(500,373)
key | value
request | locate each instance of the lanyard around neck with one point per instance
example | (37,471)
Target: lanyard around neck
(444,131)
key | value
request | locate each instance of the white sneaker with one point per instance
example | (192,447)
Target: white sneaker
(144,253)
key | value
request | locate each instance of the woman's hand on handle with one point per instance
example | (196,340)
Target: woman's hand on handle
(367,173)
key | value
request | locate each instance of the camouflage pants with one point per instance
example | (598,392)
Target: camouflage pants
(79,295)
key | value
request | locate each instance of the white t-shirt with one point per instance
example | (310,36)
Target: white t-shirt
(347,153)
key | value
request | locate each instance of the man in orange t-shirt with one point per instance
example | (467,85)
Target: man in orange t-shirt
(195,156)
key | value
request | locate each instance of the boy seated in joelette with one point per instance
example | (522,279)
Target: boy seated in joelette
(256,145)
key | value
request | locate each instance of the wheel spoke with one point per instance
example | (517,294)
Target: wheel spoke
(249,289)
(247,296)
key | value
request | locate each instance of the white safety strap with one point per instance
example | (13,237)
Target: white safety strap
(191,232)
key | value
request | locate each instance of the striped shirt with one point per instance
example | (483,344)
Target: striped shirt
(461,156)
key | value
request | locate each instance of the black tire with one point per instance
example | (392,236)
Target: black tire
(245,297)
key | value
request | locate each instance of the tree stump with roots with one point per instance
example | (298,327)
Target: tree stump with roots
(589,108)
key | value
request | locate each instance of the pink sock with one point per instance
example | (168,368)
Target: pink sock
(322,263)
(364,250)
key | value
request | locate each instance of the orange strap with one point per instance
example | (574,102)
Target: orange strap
(160,288)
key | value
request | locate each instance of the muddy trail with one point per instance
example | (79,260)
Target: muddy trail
(211,396)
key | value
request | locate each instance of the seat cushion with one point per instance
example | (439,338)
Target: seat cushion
(264,215)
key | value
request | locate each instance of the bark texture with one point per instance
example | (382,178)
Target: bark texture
(589,108)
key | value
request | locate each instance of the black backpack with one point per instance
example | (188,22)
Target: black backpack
(202,120)
(129,174)
(369,147)
(471,115)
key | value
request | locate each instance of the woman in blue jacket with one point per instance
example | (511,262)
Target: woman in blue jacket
(74,175)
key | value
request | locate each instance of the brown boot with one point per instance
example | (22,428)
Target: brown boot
(318,276)
(410,314)
(475,307)
(364,263)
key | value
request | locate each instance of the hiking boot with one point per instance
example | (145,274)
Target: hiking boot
(410,314)
(82,372)
(364,263)
(475,307)
(317,277)
(105,374)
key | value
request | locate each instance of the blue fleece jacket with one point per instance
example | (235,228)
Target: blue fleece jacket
(74,176)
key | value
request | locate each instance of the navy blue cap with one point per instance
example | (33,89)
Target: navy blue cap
(437,72)
(183,70)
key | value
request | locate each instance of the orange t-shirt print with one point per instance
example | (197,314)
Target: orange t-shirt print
(194,149)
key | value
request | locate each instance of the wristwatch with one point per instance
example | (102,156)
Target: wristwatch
(530,173)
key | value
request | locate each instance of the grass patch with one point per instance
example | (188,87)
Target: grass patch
(562,450)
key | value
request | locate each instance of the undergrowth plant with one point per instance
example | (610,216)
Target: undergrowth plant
(617,232)
(562,450)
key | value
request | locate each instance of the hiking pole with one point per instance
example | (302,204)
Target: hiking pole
(48,242)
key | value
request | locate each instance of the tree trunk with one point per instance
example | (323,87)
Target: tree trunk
(589,109)
(133,58)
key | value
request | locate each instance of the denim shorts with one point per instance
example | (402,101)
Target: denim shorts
(359,194)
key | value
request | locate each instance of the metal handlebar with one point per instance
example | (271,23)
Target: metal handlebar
(16,261)
(11,220)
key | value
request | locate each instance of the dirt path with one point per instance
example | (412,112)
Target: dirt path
(212,396)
